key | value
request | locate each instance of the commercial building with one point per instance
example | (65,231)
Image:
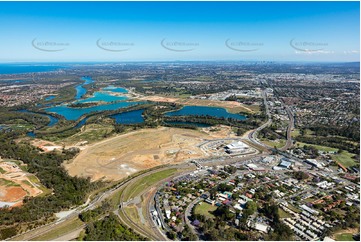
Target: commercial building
(236,147)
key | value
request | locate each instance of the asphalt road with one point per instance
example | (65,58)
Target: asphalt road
(290,127)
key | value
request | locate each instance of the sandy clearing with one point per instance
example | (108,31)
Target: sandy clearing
(231,106)
(159,99)
(120,156)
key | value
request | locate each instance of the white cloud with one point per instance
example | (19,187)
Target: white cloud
(348,52)
(312,52)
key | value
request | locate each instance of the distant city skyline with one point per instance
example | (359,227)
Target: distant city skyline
(184,31)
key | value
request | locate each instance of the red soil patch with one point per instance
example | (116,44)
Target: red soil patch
(13,194)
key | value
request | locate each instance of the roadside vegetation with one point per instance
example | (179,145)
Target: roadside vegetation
(135,188)
(110,229)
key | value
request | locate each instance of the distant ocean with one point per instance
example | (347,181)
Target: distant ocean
(27,68)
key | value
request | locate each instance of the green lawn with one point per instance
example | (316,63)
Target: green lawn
(344,237)
(92,133)
(283,214)
(319,147)
(2,171)
(296,132)
(27,183)
(61,230)
(145,182)
(8,183)
(272,144)
(36,181)
(132,213)
(205,209)
(345,158)
(294,209)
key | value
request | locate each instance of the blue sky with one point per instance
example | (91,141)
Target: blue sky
(146,31)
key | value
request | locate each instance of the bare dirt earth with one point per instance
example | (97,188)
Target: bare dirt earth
(45,145)
(120,156)
(15,184)
(159,99)
(231,106)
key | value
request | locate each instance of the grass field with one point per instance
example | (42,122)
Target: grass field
(345,157)
(91,133)
(319,147)
(27,183)
(278,144)
(296,132)
(344,237)
(145,182)
(205,209)
(294,209)
(132,213)
(115,199)
(53,234)
(35,180)
(7,183)
(283,214)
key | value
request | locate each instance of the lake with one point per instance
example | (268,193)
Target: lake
(53,120)
(202,110)
(80,90)
(70,113)
(115,89)
(49,98)
(131,117)
(81,123)
(75,113)
(104,97)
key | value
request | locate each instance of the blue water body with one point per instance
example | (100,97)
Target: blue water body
(52,122)
(131,117)
(31,134)
(103,96)
(49,98)
(76,113)
(24,68)
(80,89)
(201,110)
(115,89)
(200,125)
(81,123)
